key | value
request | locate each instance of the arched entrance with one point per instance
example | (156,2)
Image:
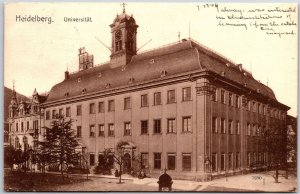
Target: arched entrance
(126,163)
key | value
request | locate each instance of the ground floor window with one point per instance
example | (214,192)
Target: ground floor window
(186,162)
(144,160)
(249,159)
(222,162)
(230,161)
(157,160)
(92,159)
(214,162)
(171,161)
(237,160)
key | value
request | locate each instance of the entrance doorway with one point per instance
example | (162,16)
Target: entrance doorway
(127,163)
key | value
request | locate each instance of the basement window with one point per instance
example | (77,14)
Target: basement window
(83,90)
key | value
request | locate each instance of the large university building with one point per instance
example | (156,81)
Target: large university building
(182,107)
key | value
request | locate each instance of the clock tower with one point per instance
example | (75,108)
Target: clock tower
(123,31)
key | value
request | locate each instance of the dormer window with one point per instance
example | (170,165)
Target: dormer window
(79,80)
(67,94)
(163,73)
(152,61)
(131,80)
(108,85)
(123,68)
(100,74)
(223,74)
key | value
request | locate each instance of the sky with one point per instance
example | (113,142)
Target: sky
(36,54)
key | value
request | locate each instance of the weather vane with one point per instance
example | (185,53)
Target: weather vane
(123,4)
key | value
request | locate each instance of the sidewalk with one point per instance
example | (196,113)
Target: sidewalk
(261,182)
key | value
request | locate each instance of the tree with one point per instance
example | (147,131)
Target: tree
(118,156)
(9,156)
(274,142)
(58,146)
(105,163)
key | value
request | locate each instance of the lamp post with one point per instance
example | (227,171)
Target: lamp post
(204,87)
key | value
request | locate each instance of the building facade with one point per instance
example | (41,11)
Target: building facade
(182,107)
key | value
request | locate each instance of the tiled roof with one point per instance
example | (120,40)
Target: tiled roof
(173,59)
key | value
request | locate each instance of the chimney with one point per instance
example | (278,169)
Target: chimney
(67,75)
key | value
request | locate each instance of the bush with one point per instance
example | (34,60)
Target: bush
(78,170)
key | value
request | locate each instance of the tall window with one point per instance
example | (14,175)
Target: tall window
(92,130)
(237,127)
(92,108)
(237,160)
(27,125)
(230,126)
(230,98)
(223,97)
(127,103)
(127,128)
(101,107)
(47,115)
(111,129)
(157,98)
(223,162)
(171,125)
(248,129)
(144,127)
(144,160)
(186,162)
(249,105)
(101,130)
(214,96)
(258,108)
(78,131)
(111,105)
(186,124)
(264,110)
(78,110)
(157,126)
(171,161)
(223,126)
(186,94)
(17,143)
(237,101)
(230,161)
(254,106)
(17,127)
(144,100)
(254,130)
(157,160)
(22,126)
(214,162)
(171,96)
(53,114)
(92,159)
(249,159)
(68,112)
(60,112)
(214,125)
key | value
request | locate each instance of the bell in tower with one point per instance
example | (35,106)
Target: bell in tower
(123,31)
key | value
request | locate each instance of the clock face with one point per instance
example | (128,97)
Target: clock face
(118,35)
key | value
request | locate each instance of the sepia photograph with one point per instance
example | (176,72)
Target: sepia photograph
(150,96)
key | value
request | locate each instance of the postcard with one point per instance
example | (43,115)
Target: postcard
(195,97)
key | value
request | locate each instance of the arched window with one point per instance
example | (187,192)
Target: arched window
(17,143)
(25,142)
